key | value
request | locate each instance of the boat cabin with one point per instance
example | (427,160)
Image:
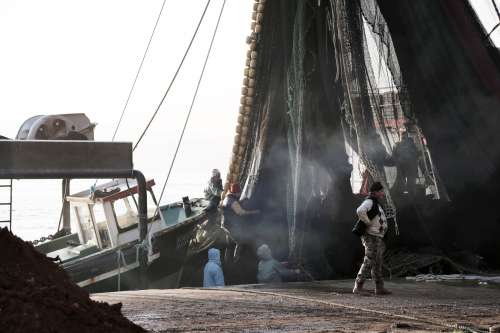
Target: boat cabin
(102,218)
(107,216)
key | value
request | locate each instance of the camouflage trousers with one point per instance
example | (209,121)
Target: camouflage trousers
(373,260)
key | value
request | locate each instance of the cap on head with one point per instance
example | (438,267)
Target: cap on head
(234,188)
(376,186)
(215,173)
(264,252)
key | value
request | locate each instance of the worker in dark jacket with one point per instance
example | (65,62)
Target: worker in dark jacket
(377,155)
(233,212)
(235,219)
(213,194)
(406,158)
(214,189)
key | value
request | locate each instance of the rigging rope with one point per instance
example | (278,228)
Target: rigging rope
(138,70)
(191,106)
(174,77)
(135,79)
(496,8)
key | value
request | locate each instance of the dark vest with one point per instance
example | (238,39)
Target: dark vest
(374,211)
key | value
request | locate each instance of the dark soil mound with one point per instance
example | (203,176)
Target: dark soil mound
(36,295)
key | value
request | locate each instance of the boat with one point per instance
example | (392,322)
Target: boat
(102,255)
(108,240)
(309,91)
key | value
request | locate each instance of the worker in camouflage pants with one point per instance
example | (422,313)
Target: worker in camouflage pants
(372,214)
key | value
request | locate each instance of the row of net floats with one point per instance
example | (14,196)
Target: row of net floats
(247,97)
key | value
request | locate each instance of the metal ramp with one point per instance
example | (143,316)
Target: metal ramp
(6,187)
(68,159)
(46,159)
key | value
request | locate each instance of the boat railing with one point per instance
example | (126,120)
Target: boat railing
(58,243)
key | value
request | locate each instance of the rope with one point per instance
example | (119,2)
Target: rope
(132,89)
(62,208)
(138,70)
(141,246)
(121,256)
(496,8)
(493,30)
(356,308)
(174,77)
(190,108)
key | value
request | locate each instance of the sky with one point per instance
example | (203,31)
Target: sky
(488,16)
(67,56)
(61,56)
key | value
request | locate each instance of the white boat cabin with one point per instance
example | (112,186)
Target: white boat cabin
(107,217)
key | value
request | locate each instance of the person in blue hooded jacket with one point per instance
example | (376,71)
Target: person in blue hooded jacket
(212,273)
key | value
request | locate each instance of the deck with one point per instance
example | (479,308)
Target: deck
(326,306)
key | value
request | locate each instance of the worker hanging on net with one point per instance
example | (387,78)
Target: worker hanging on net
(235,220)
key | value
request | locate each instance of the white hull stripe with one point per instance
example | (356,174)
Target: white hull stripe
(114,272)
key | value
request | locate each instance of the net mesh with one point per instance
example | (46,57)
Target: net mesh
(318,90)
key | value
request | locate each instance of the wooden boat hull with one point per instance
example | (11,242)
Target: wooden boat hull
(118,268)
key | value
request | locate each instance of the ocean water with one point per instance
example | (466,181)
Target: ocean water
(37,203)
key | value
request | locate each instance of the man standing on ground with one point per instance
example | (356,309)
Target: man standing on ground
(372,214)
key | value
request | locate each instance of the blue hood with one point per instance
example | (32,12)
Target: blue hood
(214,256)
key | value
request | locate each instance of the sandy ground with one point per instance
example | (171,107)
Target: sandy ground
(326,306)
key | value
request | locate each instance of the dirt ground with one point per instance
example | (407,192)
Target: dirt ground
(326,306)
(37,295)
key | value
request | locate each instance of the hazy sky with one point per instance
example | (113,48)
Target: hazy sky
(63,56)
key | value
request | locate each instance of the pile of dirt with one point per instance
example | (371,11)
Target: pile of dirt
(36,295)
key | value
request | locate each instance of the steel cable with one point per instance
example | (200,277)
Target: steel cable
(138,71)
(174,77)
(191,106)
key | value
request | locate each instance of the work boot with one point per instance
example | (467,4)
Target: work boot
(358,288)
(380,290)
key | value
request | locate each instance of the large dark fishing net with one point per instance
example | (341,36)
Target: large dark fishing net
(316,92)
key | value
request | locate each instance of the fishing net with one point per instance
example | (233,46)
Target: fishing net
(316,93)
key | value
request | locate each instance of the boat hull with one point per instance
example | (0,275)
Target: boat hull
(118,268)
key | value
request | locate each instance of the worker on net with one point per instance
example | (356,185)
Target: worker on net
(212,273)
(213,193)
(406,158)
(371,213)
(236,219)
